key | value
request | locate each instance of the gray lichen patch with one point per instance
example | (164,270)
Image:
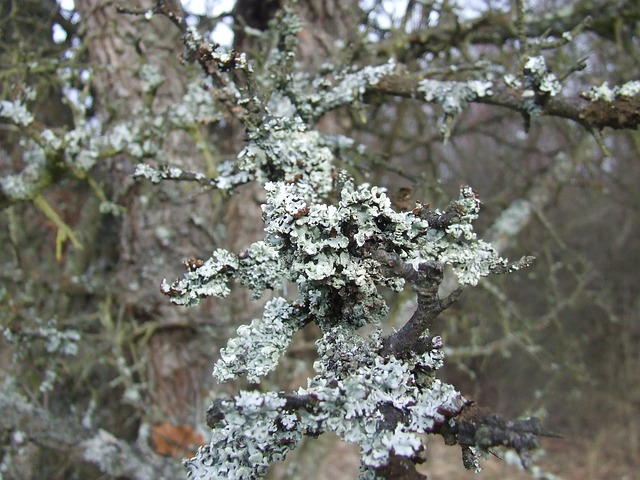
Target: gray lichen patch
(609,94)
(348,398)
(256,348)
(453,96)
(539,78)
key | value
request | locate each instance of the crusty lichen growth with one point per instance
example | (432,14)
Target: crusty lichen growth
(253,434)
(609,94)
(453,96)
(327,250)
(256,349)
(335,241)
(349,395)
(347,88)
(539,79)
(16,112)
(283,149)
(48,155)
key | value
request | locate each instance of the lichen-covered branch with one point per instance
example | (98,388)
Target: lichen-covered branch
(426,280)
(620,112)
(339,243)
(330,245)
(499,28)
(373,401)
(480,429)
(110,455)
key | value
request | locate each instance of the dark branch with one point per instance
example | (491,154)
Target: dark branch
(400,467)
(479,427)
(499,28)
(426,281)
(620,114)
(162,7)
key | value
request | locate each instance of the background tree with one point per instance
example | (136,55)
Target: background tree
(97,362)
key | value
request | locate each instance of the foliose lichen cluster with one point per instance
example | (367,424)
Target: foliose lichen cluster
(321,234)
(609,94)
(353,387)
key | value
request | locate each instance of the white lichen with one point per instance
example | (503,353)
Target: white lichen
(283,149)
(16,112)
(352,386)
(210,279)
(346,89)
(257,347)
(609,94)
(453,96)
(539,78)
(151,77)
(248,440)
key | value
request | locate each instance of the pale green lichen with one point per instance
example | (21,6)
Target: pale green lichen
(324,235)
(352,386)
(256,348)
(260,268)
(453,96)
(630,89)
(284,149)
(16,112)
(26,184)
(88,141)
(346,88)
(609,94)
(539,78)
(512,81)
(198,106)
(151,77)
(148,172)
(210,279)
(249,439)
(324,248)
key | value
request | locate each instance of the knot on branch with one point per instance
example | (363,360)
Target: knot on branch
(426,279)
(621,113)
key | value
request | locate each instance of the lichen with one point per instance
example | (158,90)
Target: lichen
(257,347)
(25,184)
(283,149)
(539,78)
(630,89)
(253,434)
(210,279)
(609,94)
(198,106)
(16,112)
(151,77)
(354,384)
(453,96)
(326,249)
(347,88)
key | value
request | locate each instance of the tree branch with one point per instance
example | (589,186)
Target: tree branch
(479,427)
(426,280)
(623,113)
(113,456)
(499,28)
